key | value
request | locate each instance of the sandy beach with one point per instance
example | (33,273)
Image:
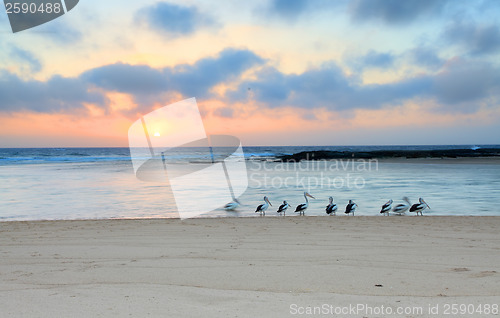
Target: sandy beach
(250,267)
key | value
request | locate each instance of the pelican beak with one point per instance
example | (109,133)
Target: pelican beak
(310,196)
(269,202)
(427,205)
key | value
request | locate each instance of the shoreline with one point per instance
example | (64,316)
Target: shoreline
(258,217)
(273,216)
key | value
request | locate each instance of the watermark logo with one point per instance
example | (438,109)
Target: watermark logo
(27,14)
(311,174)
(170,145)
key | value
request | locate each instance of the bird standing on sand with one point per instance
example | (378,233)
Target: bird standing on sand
(331,208)
(263,207)
(283,207)
(231,206)
(386,208)
(301,208)
(400,209)
(351,207)
(419,207)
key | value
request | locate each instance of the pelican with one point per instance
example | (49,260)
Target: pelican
(263,207)
(402,208)
(283,207)
(351,207)
(386,208)
(231,206)
(301,208)
(331,208)
(419,207)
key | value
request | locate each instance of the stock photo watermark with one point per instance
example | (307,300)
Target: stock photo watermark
(27,14)
(169,145)
(312,174)
(362,309)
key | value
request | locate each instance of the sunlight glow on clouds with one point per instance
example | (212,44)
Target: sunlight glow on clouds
(274,72)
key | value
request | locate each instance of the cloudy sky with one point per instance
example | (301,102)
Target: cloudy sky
(282,72)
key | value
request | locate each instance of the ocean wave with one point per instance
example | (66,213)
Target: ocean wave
(77,154)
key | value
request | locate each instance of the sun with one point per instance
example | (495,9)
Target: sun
(157,134)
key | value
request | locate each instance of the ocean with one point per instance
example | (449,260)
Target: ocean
(100,183)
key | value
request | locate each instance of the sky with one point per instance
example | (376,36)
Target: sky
(277,72)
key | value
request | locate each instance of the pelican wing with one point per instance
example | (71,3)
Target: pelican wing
(300,207)
(400,208)
(331,208)
(417,206)
(386,207)
(350,207)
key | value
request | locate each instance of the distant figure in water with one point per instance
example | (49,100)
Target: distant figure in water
(386,208)
(283,208)
(331,208)
(351,207)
